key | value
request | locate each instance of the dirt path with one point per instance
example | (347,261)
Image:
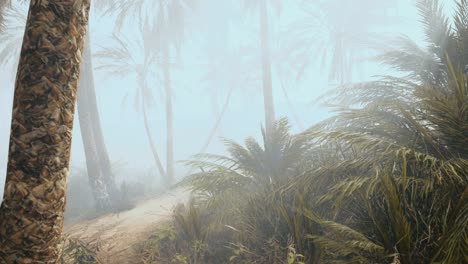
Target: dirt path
(116,235)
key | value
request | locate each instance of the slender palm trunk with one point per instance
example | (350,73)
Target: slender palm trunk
(157,160)
(291,107)
(91,106)
(31,215)
(169,117)
(218,121)
(95,176)
(266,69)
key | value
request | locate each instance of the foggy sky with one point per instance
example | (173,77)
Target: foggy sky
(193,104)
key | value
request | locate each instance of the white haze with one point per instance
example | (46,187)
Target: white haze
(220,30)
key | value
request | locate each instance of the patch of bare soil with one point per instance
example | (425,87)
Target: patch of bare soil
(115,236)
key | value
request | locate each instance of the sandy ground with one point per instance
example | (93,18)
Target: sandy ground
(116,235)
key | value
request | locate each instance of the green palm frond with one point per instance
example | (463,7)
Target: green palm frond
(436,24)
(251,165)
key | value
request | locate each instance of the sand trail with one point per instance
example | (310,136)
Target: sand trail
(116,235)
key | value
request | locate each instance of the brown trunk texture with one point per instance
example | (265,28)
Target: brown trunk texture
(31,215)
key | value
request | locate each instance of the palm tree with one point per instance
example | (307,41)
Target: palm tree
(267,81)
(31,215)
(90,109)
(98,183)
(170,26)
(244,191)
(223,72)
(169,29)
(338,35)
(255,166)
(121,60)
(403,154)
(384,181)
(98,164)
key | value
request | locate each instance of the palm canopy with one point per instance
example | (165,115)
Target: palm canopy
(3,5)
(403,147)
(445,40)
(169,17)
(398,159)
(251,166)
(342,33)
(123,59)
(427,107)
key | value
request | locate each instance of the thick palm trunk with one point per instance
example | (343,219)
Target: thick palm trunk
(169,118)
(95,176)
(157,160)
(266,69)
(92,110)
(31,215)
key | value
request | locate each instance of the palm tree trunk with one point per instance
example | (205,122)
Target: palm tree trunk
(95,177)
(103,156)
(169,117)
(218,121)
(157,160)
(291,107)
(31,215)
(266,69)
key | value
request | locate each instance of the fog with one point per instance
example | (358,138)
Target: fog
(220,54)
(216,73)
(163,81)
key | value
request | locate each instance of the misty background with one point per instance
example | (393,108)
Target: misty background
(219,57)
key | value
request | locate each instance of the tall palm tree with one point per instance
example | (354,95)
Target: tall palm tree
(98,164)
(31,215)
(168,19)
(90,109)
(99,185)
(121,60)
(228,70)
(267,82)
(170,26)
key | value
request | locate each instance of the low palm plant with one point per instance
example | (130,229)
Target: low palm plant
(384,181)
(401,183)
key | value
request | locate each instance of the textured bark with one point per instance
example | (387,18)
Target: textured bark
(169,117)
(95,176)
(31,215)
(266,69)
